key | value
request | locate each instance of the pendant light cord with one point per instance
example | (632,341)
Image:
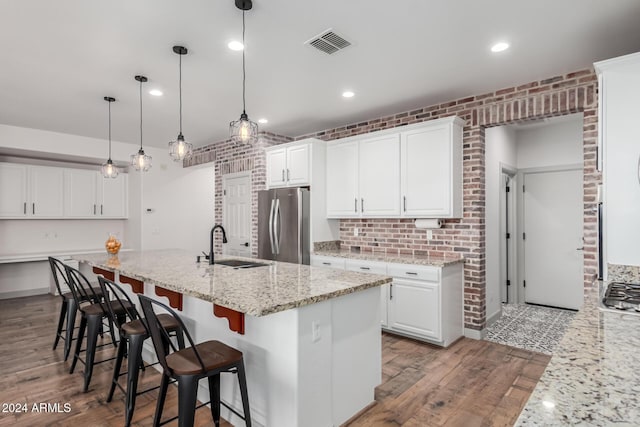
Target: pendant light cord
(140,114)
(109,130)
(180,86)
(244,73)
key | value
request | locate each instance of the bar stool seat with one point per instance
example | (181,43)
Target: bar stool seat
(136,327)
(98,309)
(214,355)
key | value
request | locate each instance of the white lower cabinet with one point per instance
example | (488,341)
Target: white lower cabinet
(423,302)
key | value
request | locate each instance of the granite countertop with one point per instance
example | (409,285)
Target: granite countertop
(254,291)
(593,377)
(384,257)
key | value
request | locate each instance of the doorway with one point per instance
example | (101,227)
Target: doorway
(552,237)
(236,213)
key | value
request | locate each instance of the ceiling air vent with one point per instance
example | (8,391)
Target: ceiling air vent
(328,42)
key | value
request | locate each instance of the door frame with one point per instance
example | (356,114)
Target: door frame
(520,220)
(511,248)
(234,175)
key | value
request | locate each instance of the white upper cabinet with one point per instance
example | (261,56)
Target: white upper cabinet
(46,187)
(379,177)
(13,190)
(80,193)
(113,196)
(342,180)
(288,166)
(431,165)
(415,172)
(28,191)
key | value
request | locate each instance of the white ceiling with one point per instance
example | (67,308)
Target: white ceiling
(59,58)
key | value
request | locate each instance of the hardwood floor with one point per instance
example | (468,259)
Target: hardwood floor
(472,383)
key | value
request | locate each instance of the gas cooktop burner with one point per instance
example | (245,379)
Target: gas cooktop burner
(622,296)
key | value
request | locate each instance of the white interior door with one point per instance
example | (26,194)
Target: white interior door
(236,214)
(553,256)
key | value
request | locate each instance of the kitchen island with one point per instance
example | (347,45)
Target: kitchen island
(310,336)
(593,377)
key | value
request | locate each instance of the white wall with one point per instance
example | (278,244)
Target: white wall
(500,151)
(555,143)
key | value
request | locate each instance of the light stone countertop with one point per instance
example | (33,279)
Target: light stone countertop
(593,378)
(384,257)
(254,291)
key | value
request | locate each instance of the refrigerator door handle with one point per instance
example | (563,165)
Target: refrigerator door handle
(276,226)
(273,251)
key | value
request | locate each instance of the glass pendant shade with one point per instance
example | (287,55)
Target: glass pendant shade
(180,149)
(243,131)
(140,161)
(109,170)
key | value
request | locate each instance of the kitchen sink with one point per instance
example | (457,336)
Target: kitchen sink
(240,263)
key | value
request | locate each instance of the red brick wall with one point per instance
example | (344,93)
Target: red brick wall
(559,95)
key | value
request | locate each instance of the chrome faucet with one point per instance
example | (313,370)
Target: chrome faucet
(224,240)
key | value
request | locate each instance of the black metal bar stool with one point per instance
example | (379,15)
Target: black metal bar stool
(68,309)
(133,332)
(187,366)
(93,314)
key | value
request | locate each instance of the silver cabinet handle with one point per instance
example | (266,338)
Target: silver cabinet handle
(283,175)
(101,206)
(25,208)
(365,268)
(391,291)
(326,263)
(288,175)
(361,205)
(404,202)
(580,249)
(412,273)
(33,208)
(94,209)
(355,206)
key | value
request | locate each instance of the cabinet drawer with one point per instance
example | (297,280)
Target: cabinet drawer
(416,272)
(363,266)
(327,261)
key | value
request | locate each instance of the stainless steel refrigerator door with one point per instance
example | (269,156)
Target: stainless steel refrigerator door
(266,208)
(287,225)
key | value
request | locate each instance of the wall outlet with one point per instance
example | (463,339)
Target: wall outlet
(355,232)
(315,331)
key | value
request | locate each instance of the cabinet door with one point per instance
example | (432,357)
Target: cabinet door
(13,190)
(426,172)
(298,162)
(114,196)
(47,187)
(342,180)
(379,176)
(276,168)
(414,308)
(80,193)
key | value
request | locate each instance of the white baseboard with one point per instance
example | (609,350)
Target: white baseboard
(475,334)
(24,293)
(495,316)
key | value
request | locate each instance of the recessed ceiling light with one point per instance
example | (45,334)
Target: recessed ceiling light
(263,121)
(499,47)
(348,94)
(235,45)
(155,92)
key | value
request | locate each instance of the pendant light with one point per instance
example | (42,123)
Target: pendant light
(140,161)
(109,170)
(243,130)
(180,149)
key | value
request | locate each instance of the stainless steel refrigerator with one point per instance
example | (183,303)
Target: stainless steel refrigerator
(283,225)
